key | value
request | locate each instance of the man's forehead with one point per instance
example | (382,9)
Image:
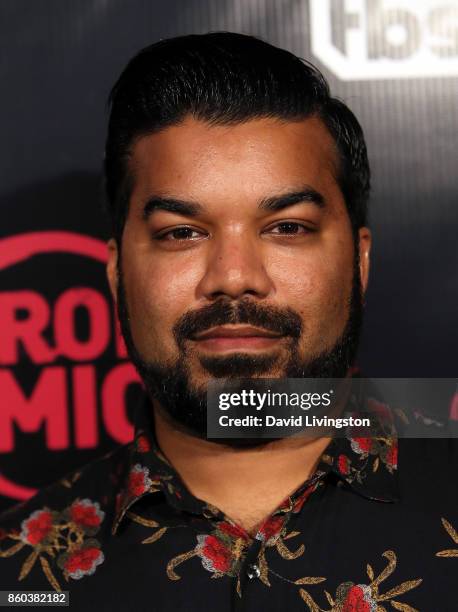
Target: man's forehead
(258,135)
(257,156)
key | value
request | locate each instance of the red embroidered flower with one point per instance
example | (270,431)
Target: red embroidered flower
(358,599)
(362,446)
(302,498)
(86,513)
(270,528)
(83,562)
(215,555)
(285,505)
(343,463)
(36,527)
(232,530)
(143,444)
(139,481)
(392,456)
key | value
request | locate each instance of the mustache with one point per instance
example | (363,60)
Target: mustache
(283,321)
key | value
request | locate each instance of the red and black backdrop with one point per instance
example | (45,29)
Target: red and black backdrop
(66,387)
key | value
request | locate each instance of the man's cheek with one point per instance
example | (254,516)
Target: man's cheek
(309,291)
(325,311)
(147,321)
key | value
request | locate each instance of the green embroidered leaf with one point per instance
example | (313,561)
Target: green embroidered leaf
(370,572)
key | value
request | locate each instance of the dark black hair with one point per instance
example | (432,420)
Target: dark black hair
(224,78)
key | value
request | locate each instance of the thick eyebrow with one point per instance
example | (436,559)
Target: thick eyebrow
(181,207)
(306,194)
(273,203)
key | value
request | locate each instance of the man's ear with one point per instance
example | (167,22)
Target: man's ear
(112,268)
(365,242)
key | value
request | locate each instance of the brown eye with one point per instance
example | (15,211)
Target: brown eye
(290,228)
(179,233)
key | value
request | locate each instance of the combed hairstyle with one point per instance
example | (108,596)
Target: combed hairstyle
(225,78)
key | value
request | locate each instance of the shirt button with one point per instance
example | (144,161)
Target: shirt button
(253,571)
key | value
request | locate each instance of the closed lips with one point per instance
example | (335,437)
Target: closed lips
(235,332)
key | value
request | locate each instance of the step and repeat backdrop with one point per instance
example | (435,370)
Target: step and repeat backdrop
(67,389)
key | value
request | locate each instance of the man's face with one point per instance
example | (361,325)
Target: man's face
(235,226)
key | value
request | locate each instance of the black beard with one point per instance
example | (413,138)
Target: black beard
(185,407)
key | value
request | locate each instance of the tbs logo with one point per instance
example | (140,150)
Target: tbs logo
(385,39)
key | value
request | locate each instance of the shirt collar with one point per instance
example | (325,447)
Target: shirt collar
(367,465)
(148,471)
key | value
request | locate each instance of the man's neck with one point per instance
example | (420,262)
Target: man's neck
(247,484)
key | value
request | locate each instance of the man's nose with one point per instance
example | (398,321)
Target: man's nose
(235,267)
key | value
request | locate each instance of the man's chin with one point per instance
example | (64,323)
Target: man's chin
(240,364)
(198,430)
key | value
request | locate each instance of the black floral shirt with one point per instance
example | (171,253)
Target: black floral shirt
(375,528)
